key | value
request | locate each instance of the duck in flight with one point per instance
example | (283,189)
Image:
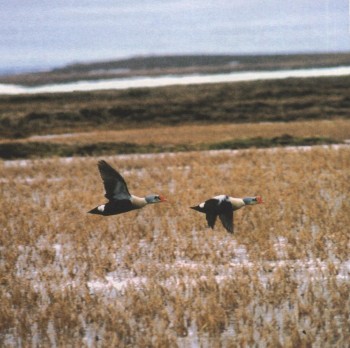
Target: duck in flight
(119,198)
(224,206)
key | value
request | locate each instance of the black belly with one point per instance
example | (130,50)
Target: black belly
(118,207)
(214,206)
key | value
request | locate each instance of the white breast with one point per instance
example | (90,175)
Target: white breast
(138,202)
(236,202)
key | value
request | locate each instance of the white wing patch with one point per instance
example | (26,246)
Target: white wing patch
(221,198)
(101,208)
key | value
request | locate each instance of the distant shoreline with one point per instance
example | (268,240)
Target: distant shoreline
(172,80)
(173,65)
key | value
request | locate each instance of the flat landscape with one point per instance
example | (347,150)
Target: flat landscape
(159,277)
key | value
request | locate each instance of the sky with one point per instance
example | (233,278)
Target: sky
(42,34)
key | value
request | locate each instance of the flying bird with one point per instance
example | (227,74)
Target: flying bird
(119,198)
(224,206)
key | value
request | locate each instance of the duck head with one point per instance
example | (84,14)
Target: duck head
(150,199)
(252,200)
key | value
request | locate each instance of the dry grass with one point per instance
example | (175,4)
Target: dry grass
(158,277)
(200,134)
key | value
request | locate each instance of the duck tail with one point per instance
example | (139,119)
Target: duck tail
(198,208)
(94,211)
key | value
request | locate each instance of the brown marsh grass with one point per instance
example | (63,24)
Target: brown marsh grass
(338,129)
(159,277)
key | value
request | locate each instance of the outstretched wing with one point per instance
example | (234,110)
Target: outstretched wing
(211,208)
(211,219)
(226,215)
(115,185)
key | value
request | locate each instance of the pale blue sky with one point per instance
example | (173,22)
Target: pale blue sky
(52,33)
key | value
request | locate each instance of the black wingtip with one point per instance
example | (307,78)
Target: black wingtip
(102,163)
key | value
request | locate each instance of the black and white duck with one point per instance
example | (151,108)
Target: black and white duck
(119,198)
(224,206)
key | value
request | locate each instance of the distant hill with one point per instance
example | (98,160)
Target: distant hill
(176,64)
(236,62)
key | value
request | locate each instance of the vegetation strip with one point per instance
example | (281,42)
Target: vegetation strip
(16,150)
(249,102)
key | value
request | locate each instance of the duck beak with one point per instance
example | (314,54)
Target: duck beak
(163,199)
(259,200)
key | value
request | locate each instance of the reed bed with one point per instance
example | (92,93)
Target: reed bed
(159,277)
